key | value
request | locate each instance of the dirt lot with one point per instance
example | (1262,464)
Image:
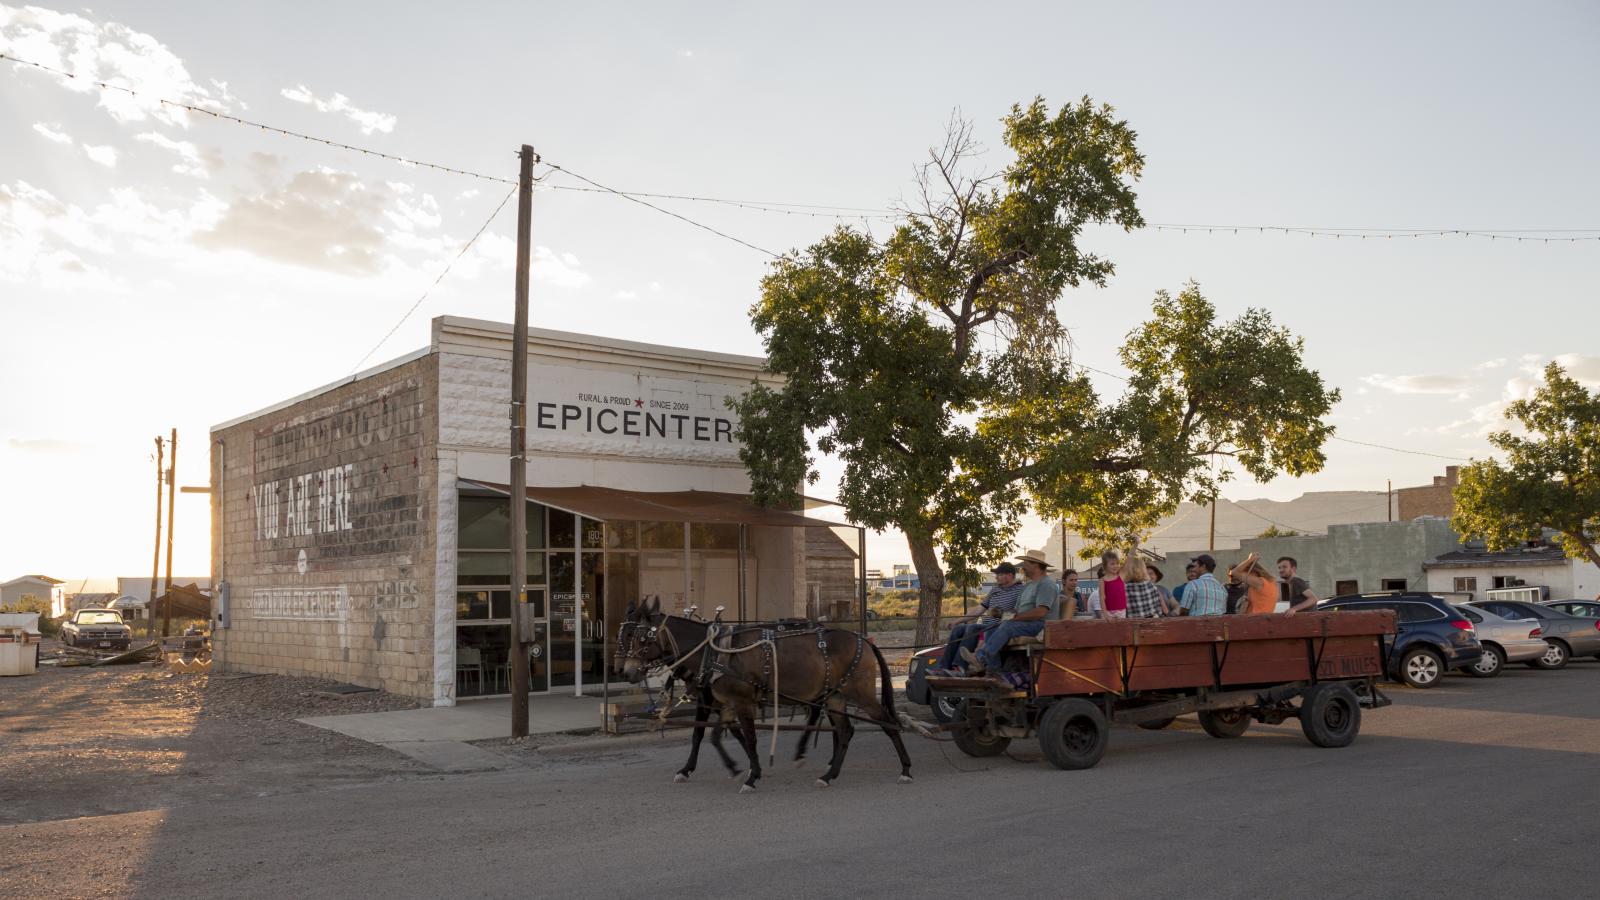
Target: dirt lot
(81,741)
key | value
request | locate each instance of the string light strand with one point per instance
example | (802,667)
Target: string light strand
(664,211)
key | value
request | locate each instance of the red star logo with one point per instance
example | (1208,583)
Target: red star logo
(638,402)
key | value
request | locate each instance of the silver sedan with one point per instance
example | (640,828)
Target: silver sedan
(1565,635)
(1504,641)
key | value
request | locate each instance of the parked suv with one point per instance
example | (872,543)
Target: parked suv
(1431,636)
(96,628)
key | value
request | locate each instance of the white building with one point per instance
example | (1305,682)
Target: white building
(41,586)
(1474,571)
(360,530)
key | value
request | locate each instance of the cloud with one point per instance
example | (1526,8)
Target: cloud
(686,54)
(106,52)
(105,155)
(1581,368)
(559,269)
(1499,363)
(191,159)
(45,445)
(339,103)
(1421,384)
(52,133)
(322,219)
(627,295)
(655,286)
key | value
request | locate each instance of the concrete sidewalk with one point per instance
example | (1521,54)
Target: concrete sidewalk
(438,735)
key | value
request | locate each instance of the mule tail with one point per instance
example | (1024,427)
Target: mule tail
(886,681)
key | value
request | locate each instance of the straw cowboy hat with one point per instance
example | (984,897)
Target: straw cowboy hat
(1035,556)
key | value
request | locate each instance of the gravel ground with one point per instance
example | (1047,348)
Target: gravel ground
(80,741)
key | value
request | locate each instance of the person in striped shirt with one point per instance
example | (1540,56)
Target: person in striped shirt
(1001,599)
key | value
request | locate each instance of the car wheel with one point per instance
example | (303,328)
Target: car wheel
(1421,668)
(1074,734)
(1555,656)
(1158,724)
(1488,665)
(945,708)
(1330,715)
(1224,723)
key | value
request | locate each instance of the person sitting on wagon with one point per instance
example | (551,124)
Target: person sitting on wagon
(1144,598)
(1036,604)
(1260,586)
(1001,599)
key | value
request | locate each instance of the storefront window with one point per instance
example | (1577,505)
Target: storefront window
(563,529)
(622,535)
(485,523)
(486,567)
(661,535)
(709,536)
(472,605)
(483,660)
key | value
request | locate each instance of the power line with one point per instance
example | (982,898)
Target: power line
(1400,449)
(665,212)
(777,206)
(264,127)
(1532,235)
(446,271)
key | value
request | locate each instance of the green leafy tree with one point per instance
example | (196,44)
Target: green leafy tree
(933,363)
(32,603)
(1550,478)
(1274,531)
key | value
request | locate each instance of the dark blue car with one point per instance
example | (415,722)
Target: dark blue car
(1431,636)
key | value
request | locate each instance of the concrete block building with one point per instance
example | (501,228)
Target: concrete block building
(360,531)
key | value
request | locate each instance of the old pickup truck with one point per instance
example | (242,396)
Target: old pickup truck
(1069,684)
(102,628)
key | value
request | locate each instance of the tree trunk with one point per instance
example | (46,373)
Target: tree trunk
(931,594)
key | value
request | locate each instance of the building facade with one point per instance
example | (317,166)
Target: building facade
(41,587)
(1437,499)
(1470,573)
(1349,559)
(360,530)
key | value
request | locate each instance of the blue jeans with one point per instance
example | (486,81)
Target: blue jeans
(989,655)
(964,635)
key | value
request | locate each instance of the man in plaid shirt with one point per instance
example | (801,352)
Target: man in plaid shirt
(1204,596)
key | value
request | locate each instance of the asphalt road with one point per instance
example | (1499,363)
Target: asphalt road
(1474,787)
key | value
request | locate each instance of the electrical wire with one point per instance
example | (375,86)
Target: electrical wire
(1534,235)
(446,271)
(1400,449)
(663,211)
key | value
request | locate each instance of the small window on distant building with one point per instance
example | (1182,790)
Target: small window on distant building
(1394,584)
(1504,581)
(1466,585)
(1349,586)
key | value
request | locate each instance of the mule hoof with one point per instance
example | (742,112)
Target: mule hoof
(679,778)
(747,789)
(905,779)
(823,782)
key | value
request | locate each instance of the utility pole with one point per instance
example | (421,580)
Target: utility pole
(1211,539)
(155,565)
(1388,497)
(519,449)
(1063,545)
(172,496)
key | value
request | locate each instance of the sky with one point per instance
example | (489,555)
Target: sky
(164,269)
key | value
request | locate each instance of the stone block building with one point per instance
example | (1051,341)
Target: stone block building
(1437,499)
(360,531)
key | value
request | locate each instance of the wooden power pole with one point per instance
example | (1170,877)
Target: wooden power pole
(1211,538)
(519,450)
(1388,497)
(172,495)
(155,565)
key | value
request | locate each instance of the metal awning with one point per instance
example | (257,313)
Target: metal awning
(615,505)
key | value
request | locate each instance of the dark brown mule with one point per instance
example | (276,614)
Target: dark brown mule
(648,640)
(820,667)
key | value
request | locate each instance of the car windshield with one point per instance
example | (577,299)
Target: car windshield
(99,618)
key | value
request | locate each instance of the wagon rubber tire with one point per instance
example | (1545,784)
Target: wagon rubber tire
(1494,656)
(945,708)
(973,740)
(1421,668)
(1073,734)
(1556,656)
(1330,715)
(1158,724)
(1225,723)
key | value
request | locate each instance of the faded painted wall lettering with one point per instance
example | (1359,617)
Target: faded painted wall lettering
(318,604)
(302,505)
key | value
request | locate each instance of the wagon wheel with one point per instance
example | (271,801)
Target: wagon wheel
(1224,723)
(977,737)
(1074,734)
(1330,715)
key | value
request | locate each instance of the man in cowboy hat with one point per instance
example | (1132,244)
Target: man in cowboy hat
(1036,604)
(1000,600)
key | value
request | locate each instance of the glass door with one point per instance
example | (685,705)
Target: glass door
(536,632)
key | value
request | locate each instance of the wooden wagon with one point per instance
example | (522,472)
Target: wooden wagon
(1083,675)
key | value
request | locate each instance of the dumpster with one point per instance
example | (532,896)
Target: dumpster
(19,643)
